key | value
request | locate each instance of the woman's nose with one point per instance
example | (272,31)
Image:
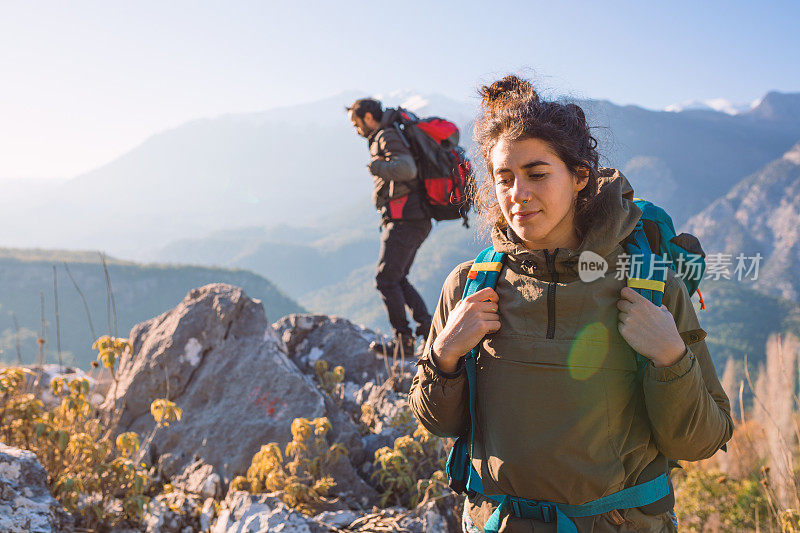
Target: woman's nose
(518,193)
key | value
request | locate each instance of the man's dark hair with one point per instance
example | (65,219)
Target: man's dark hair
(363,106)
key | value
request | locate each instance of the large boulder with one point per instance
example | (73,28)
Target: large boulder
(26,505)
(216,356)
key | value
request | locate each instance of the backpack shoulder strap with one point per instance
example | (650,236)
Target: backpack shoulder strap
(646,275)
(646,272)
(484,272)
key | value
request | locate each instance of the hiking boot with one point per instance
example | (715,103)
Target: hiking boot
(399,342)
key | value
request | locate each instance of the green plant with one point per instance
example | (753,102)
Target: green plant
(85,473)
(709,499)
(101,481)
(303,476)
(369,418)
(412,470)
(329,380)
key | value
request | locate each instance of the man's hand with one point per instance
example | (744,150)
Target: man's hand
(649,330)
(470,320)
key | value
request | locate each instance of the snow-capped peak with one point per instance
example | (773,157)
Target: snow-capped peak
(793,154)
(713,104)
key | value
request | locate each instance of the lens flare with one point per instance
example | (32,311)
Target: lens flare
(588,351)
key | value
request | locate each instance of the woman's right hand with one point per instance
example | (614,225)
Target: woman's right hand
(470,320)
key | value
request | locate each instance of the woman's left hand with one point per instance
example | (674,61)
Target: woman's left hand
(649,330)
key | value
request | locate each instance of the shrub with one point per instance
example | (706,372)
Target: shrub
(303,476)
(412,470)
(709,499)
(329,380)
(101,481)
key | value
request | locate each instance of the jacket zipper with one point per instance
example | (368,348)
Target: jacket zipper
(551,293)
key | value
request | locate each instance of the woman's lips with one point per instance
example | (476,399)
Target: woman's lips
(527,215)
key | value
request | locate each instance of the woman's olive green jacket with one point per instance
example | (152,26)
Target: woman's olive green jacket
(561,413)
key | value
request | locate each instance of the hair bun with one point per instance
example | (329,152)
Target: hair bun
(507,92)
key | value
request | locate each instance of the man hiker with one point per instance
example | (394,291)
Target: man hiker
(404,219)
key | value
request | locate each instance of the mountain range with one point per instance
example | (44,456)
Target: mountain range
(295,164)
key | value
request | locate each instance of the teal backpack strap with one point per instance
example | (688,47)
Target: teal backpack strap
(484,272)
(647,272)
(646,275)
(683,252)
(561,513)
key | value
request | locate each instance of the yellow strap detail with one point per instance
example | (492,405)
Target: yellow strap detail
(495,267)
(639,283)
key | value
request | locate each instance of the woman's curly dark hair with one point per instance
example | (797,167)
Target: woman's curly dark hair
(512,109)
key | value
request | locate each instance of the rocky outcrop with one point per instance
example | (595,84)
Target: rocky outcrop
(216,356)
(26,505)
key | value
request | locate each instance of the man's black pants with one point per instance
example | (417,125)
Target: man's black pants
(400,241)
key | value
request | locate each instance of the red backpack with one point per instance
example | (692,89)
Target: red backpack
(443,168)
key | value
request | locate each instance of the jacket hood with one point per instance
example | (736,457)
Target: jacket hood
(617,220)
(390,115)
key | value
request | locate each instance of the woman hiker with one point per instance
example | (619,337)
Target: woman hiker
(567,432)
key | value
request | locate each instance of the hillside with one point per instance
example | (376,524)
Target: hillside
(761,214)
(140,291)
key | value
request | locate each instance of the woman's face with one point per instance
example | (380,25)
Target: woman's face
(536,192)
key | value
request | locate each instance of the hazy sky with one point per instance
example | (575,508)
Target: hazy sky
(81,82)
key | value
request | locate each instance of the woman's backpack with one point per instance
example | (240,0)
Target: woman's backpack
(444,171)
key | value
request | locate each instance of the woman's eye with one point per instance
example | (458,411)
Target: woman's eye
(503,181)
(537,176)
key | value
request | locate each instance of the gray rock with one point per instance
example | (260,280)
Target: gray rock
(386,406)
(374,442)
(242,512)
(169,465)
(207,514)
(200,479)
(26,505)
(172,512)
(338,519)
(309,338)
(228,370)
(426,518)
(431,519)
